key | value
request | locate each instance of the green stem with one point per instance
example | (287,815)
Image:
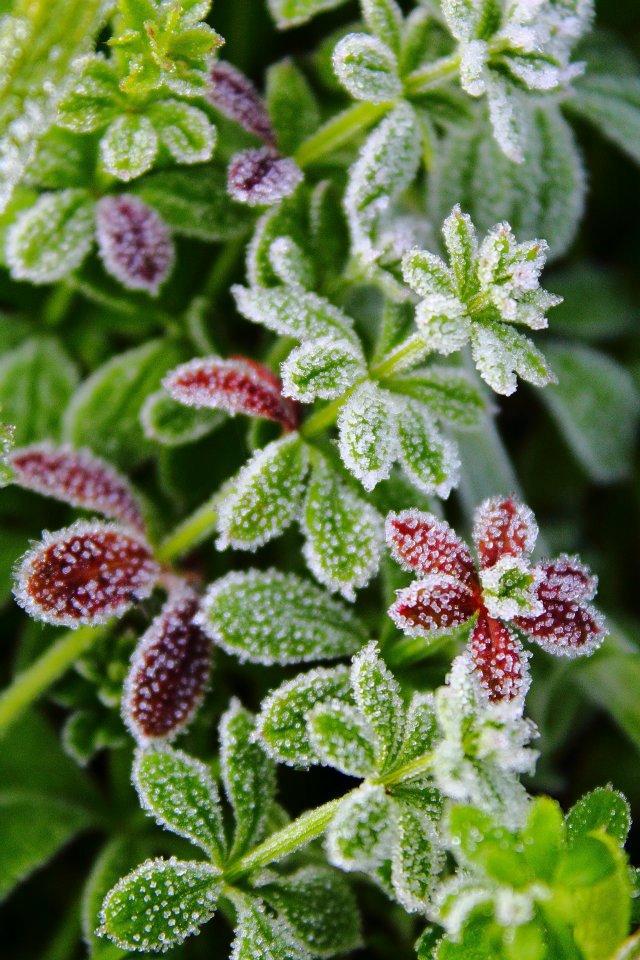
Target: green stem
(410,650)
(325,417)
(338,131)
(56,307)
(433,74)
(301,831)
(408,771)
(190,532)
(406,354)
(32,682)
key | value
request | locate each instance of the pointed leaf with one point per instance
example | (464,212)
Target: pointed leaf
(293,313)
(292,105)
(360,836)
(260,936)
(367,434)
(342,738)
(448,393)
(417,859)
(377,695)
(429,458)
(500,352)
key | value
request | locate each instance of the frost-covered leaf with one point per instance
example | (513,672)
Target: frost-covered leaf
(37,379)
(104,413)
(386,166)
(596,406)
(51,238)
(323,368)
(170,423)
(272,617)
(543,837)
(160,904)
(448,393)
(260,936)
(260,177)
(290,218)
(184,130)
(282,725)
(367,68)
(290,13)
(417,859)
(134,243)
(180,793)
(169,671)
(503,527)
(293,313)
(384,19)
(319,908)
(424,543)
(266,495)
(129,146)
(361,834)
(603,809)
(420,729)
(377,695)
(93,101)
(367,434)
(499,660)
(292,106)
(290,264)
(430,459)
(248,775)
(342,738)
(233,94)
(437,603)
(85,573)
(342,532)
(76,477)
(195,203)
(462,246)
(500,352)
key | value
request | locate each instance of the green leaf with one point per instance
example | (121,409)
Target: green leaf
(290,13)
(173,424)
(420,729)
(462,246)
(596,406)
(195,203)
(342,532)
(367,68)
(104,413)
(417,859)
(586,862)
(500,352)
(317,905)
(184,130)
(429,458)
(367,434)
(543,837)
(481,842)
(290,264)
(129,146)
(597,304)
(377,695)
(260,936)
(36,381)
(180,793)
(611,102)
(293,313)
(603,809)
(265,496)
(248,775)
(51,239)
(359,837)
(601,910)
(323,368)
(291,105)
(272,617)
(384,18)
(94,101)
(160,903)
(289,218)
(447,392)
(342,738)
(282,726)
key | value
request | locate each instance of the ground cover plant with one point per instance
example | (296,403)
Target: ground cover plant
(319,396)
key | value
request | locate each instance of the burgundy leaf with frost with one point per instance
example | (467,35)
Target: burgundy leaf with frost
(134,243)
(237,385)
(169,671)
(422,542)
(261,177)
(76,477)
(565,628)
(438,602)
(503,528)
(236,98)
(566,578)
(85,574)
(499,660)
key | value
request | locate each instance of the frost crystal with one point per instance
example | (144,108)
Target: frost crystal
(169,671)
(85,573)
(547,601)
(238,385)
(261,177)
(134,243)
(77,477)
(236,97)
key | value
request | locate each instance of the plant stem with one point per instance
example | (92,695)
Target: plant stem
(325,417)
(190,532)
(56,307)
(407,353)
(410,650)
(28,685)
(433,74)
(408,771)
(338,131)
(301,831)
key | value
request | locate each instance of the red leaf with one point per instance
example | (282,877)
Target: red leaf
(565,628)
(422,542)
(261,177)
(86,573)
(76,477)
(438,602)
(169,671)
(134,242)
(237,385)
(503,528)
(566,578)
(499,660)
(236,98)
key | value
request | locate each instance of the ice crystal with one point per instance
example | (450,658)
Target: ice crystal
(236,97)
(169,671)
(261,177)
(76,477)
(237,385)
(134,242)
(85,573)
